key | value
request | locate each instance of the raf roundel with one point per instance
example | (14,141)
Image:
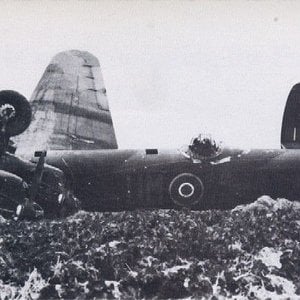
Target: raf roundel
(186,189)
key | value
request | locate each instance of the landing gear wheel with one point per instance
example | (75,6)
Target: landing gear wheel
(186,190)
(22,112)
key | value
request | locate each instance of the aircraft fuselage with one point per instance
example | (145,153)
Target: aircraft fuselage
(111,180)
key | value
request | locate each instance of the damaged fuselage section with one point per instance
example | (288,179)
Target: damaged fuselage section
(27,189)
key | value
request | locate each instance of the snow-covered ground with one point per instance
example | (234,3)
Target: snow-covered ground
(252,251)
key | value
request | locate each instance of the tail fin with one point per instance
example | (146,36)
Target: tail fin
(290,130)
(70,107)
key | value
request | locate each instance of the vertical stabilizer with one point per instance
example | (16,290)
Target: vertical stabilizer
(70,107)
(290,130)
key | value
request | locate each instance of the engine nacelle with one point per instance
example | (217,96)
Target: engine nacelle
(13,191)
(14,200)
(55,195)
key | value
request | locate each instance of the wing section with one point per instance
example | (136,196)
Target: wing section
(70,107)
(290,130)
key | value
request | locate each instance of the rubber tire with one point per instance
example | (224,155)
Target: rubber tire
(22,119)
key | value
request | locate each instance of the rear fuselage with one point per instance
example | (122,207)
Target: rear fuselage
(127,179)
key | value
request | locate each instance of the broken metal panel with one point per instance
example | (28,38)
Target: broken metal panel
(69,100)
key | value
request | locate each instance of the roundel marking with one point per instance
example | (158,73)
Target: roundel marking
(186,189)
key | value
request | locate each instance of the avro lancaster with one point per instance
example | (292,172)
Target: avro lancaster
(59,153)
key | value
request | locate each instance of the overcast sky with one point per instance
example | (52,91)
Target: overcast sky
(172,69)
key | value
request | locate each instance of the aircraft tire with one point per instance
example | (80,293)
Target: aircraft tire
(22,119)
(186,189)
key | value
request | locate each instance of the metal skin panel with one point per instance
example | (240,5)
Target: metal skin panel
(70,107)
(128,179)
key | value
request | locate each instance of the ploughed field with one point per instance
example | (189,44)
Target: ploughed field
(251,252)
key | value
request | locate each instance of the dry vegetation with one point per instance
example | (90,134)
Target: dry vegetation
(251,252)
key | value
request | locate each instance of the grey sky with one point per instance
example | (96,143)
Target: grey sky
(171,68)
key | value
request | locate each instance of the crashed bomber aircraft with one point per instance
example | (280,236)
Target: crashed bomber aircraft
(69,116)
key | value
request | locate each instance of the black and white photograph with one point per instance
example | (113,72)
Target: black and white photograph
(149,149)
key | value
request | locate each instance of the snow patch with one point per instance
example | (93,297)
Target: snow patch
(133,274)
(236,246)
(270,257)
(148,261)
(266,203)
(186,282)
(77,217)
(57,268)
(59,290)
(33,286)
(101,248)
(8,291)
(2,220)
(113,244)
(175,269)
(287,288)
(83,285)
(78,264)
(216,287)
(114,285)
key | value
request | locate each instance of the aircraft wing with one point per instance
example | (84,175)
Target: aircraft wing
(290,130)
(70,107)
